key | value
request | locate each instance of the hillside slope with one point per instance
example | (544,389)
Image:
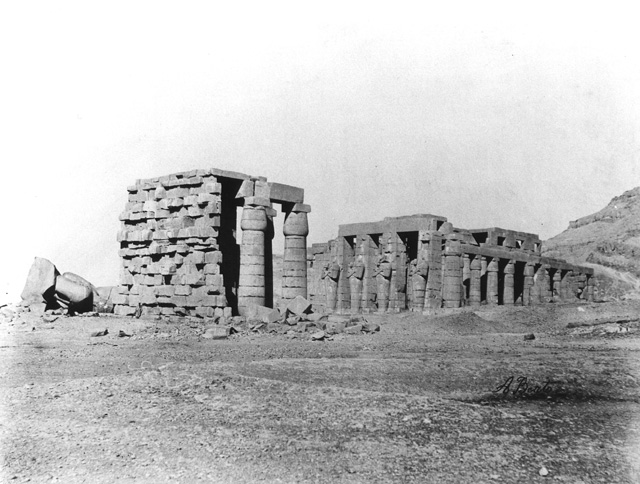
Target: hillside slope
(608,241)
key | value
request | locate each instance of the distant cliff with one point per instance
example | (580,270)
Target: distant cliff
(608,241)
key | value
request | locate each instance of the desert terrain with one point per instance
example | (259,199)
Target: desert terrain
(425,399)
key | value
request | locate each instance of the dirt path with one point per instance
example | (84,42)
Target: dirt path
(413,403)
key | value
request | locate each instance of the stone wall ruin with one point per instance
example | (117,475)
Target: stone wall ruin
(422,263)
(180,253)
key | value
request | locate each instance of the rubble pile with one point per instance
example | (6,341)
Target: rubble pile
(297,317)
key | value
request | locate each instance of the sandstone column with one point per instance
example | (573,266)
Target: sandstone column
(492,281)
(295,229)
(251,288)
(466,277)
(508,294)
(529,270)
(452,281)
(475,289)
(557,285)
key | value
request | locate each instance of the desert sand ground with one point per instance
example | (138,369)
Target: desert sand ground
(415,402)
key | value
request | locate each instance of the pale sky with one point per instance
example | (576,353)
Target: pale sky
(520,117)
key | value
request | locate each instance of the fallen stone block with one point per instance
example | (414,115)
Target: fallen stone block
(314,317)
(355,329)
(334,327)
(292,321)
(370,327)
(274,327)
(318,336)
(217,332)
(298,306)
(334,318)
(41,281)
(74,292)
(38,307)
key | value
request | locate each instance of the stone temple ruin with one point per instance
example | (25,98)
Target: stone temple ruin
(179,250)
(422,263)
(181,256)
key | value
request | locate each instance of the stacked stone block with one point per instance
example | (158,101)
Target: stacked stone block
(169,249)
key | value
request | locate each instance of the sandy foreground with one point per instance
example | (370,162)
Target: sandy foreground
(416,402)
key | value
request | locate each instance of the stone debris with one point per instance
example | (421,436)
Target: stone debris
(318,336)
(122,334)
(45,289)
(529,337)
(217,332)
(104,332)
(299,306)
(543,471)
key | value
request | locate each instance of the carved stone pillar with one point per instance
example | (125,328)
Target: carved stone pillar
(557,285)
(383,274)
(356,276)
(452,280)
(475,283)
(251,284)
(508,294)
(295,229)
(529,271)
(492,281)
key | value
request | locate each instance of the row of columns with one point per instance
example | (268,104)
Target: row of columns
(255,252)
(444,276)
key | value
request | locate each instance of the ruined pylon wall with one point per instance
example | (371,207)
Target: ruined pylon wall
(171,262)
(181,254)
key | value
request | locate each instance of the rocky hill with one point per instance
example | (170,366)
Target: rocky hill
(608,241)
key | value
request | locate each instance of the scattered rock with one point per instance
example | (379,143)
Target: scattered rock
(318,336)
(355,329)
(298,306)
(217,332)
(543,471)
(370,327)
(122,334)
(315,317)
(529,337)
(335,327)
(104,332)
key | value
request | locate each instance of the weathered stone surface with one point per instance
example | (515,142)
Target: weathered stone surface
(41,281)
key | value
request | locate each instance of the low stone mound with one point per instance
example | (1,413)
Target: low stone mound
(468,322)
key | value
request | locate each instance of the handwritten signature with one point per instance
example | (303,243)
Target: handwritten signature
(521,387)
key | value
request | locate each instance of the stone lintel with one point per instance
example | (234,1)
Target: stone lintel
(281,193)
(228,174)
(523,256)
(301,207)
(411,223)
(504,232)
